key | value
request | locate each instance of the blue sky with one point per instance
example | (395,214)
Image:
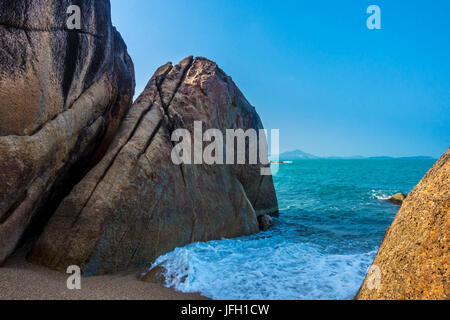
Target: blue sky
(312,68)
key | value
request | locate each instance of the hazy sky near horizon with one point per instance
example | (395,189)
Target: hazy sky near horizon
(312,68)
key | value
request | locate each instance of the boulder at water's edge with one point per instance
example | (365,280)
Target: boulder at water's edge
(136,204)
(63,94)
(397,198)
(414,256)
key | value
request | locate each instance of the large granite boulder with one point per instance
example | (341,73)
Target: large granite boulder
(413,260)
(63,94)
(136,204)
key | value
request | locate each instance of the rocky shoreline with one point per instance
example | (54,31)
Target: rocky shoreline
(88,174)
(413,260)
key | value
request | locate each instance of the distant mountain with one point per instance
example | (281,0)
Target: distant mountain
(418,157)
(387,157)
(346,158)
(297,155)
(300,155)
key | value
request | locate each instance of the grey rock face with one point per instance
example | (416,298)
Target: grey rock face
(136,204)
(63,94)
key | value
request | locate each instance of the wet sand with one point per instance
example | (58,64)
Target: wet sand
(21,280)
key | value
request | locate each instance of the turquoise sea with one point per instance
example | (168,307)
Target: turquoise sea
(332,219)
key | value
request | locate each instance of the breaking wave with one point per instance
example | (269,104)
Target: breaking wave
(263,269)
(331,224)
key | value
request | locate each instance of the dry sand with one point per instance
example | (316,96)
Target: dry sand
(21,280)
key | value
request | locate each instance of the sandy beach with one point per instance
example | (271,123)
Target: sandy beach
(21,280)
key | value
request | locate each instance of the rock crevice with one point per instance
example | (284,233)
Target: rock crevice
(49,30)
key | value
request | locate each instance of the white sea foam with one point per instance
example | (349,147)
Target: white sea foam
(331,224)
(263,268)
(380,195)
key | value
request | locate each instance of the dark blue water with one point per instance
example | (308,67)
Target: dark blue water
(332,220)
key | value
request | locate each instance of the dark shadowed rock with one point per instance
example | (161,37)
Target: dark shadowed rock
(136,204)
(63,94)
(414,257)
(265,222)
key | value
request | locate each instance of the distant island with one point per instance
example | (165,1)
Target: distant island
(301,155)
(297,155)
